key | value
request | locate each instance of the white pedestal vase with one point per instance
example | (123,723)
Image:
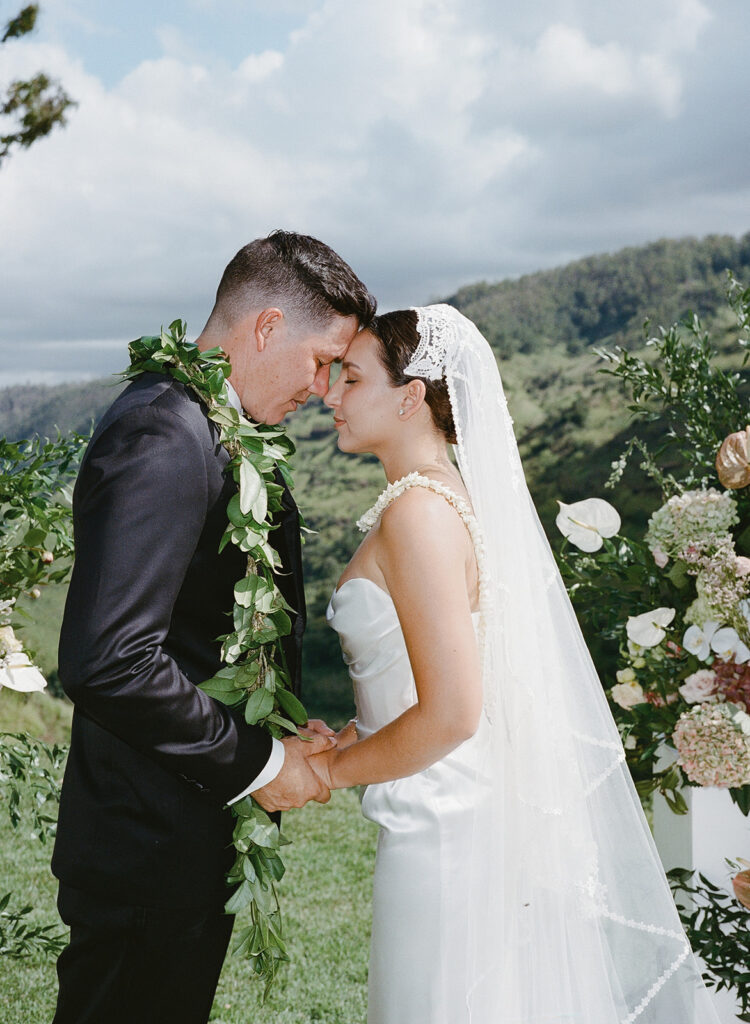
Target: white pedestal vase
(713,828)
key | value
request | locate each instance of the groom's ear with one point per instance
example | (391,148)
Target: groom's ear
(268,321)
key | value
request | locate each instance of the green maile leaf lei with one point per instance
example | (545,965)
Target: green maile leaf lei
(254,674)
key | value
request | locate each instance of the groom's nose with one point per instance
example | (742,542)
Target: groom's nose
(331,398)
(321,381)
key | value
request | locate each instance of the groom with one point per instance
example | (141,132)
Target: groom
(144,836)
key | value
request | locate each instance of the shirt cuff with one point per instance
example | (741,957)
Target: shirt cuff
(274,764)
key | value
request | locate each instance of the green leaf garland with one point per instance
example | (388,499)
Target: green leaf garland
(254,674)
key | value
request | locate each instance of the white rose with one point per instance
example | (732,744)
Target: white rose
(626,675)
(627,694)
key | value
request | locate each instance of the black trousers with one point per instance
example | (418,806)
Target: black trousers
(138,965)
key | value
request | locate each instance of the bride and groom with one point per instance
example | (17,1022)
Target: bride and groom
(515,878)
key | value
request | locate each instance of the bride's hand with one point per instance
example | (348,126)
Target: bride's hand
(348,735)
(322,764)
(316,727)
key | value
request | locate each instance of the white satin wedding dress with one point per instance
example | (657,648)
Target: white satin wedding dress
(421,888)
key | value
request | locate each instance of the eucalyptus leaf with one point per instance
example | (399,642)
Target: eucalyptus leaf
(259,705)
(292,706)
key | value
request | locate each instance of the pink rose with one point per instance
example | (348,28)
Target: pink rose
(699,687)
(742,565)
(660,557)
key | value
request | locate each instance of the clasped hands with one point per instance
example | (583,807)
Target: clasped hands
(305,774)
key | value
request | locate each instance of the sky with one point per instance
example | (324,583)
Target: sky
(432,143)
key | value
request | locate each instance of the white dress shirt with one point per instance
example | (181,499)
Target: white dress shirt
(275,762)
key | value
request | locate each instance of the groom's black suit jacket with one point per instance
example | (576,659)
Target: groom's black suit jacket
(153,760)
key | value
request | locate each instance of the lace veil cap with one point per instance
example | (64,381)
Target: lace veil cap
(571,918)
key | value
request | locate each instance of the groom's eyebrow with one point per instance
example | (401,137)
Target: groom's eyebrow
(349,366)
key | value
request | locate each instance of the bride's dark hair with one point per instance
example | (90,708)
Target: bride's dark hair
(397,342)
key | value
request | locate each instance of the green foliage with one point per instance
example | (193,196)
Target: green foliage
(30,779)
(20,938)
(31,776)
(38,104)
(36,540)
(22,24)
(696,402)
(718,927)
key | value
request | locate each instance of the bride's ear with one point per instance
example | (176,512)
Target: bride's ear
(267,320)
(412,399)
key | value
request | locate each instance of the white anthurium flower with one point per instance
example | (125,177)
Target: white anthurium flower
(17,673)
(742,719)
(647,630)
(585,523)
(697,639)
(727,644)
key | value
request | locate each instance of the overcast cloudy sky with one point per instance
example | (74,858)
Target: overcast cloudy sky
(431,142)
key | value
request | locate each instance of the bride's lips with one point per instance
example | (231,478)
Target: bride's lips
(338,423)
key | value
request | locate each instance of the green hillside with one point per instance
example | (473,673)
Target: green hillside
(571,421)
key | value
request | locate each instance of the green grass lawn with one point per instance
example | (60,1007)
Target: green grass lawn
(326,897)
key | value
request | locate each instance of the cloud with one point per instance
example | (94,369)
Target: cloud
(430,144)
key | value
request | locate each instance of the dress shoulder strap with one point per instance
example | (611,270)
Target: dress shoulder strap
(398,487)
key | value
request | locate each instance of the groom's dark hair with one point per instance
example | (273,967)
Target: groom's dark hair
(298,273)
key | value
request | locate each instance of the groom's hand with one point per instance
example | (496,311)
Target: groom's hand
(296,783)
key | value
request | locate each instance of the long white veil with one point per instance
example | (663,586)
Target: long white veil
(571,917)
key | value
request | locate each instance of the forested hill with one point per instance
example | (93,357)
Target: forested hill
(604,296)
(571,420)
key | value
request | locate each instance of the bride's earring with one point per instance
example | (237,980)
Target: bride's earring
(401,412)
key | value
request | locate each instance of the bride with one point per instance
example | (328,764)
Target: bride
(516,881)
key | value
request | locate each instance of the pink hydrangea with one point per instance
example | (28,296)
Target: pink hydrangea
(712,747)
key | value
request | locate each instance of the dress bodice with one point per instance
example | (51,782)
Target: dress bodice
(374,650)
(366,620)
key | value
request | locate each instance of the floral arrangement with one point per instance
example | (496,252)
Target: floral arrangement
(36,545)
(676,601)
